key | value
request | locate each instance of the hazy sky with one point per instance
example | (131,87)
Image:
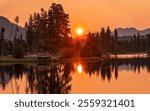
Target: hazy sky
(90,14)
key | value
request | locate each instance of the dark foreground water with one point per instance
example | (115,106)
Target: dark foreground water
(109,76)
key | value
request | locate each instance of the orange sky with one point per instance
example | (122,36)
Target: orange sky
(90,14)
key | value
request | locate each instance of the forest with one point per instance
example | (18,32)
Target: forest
(48,32)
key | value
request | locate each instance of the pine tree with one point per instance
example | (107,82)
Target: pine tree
(135,43)
(58,27)
(30,34)
(148,42)
(115,41)
(108,40)
(138,43)
(108,33)
(102,39)
(41,29)
(18,50)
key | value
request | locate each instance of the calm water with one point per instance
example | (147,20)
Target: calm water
(109,76)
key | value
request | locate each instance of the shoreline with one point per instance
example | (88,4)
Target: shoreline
(47,60)
(24,60)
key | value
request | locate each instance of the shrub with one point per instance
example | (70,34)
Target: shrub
(18,50)
(90,51)
(96,51)
(67,53)
(85,52)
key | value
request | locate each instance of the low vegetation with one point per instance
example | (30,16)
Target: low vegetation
(18,50)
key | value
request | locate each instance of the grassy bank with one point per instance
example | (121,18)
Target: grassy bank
(9,59)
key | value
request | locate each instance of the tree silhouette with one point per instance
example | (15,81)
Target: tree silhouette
(49,30)
(116,40)
(58,27)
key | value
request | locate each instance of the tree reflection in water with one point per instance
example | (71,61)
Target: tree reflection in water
(7,73)
(53,79)
(56,78)
(102,68)
(107,67)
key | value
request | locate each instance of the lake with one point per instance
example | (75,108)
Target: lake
(112,76)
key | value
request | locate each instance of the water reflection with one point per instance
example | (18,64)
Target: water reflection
(39,79)
(57,78)
(107,67)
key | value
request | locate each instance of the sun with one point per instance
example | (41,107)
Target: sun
(79,31)
(79,68)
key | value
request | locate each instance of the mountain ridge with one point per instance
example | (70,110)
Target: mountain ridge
(129,31)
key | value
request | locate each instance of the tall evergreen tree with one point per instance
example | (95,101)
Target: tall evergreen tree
(115,41)
(30,34)
(135,43)
(108,40)
(58,27)
(138,42)
(102,39)
(41,29)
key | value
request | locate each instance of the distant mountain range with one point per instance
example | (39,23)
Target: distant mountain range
(132,31)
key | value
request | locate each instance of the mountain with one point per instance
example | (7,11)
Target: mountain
(132,31)
(11,30)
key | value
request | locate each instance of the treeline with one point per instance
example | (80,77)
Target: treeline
(108,42)
(99,43)
(136,43)
(15,47)
(48,32)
